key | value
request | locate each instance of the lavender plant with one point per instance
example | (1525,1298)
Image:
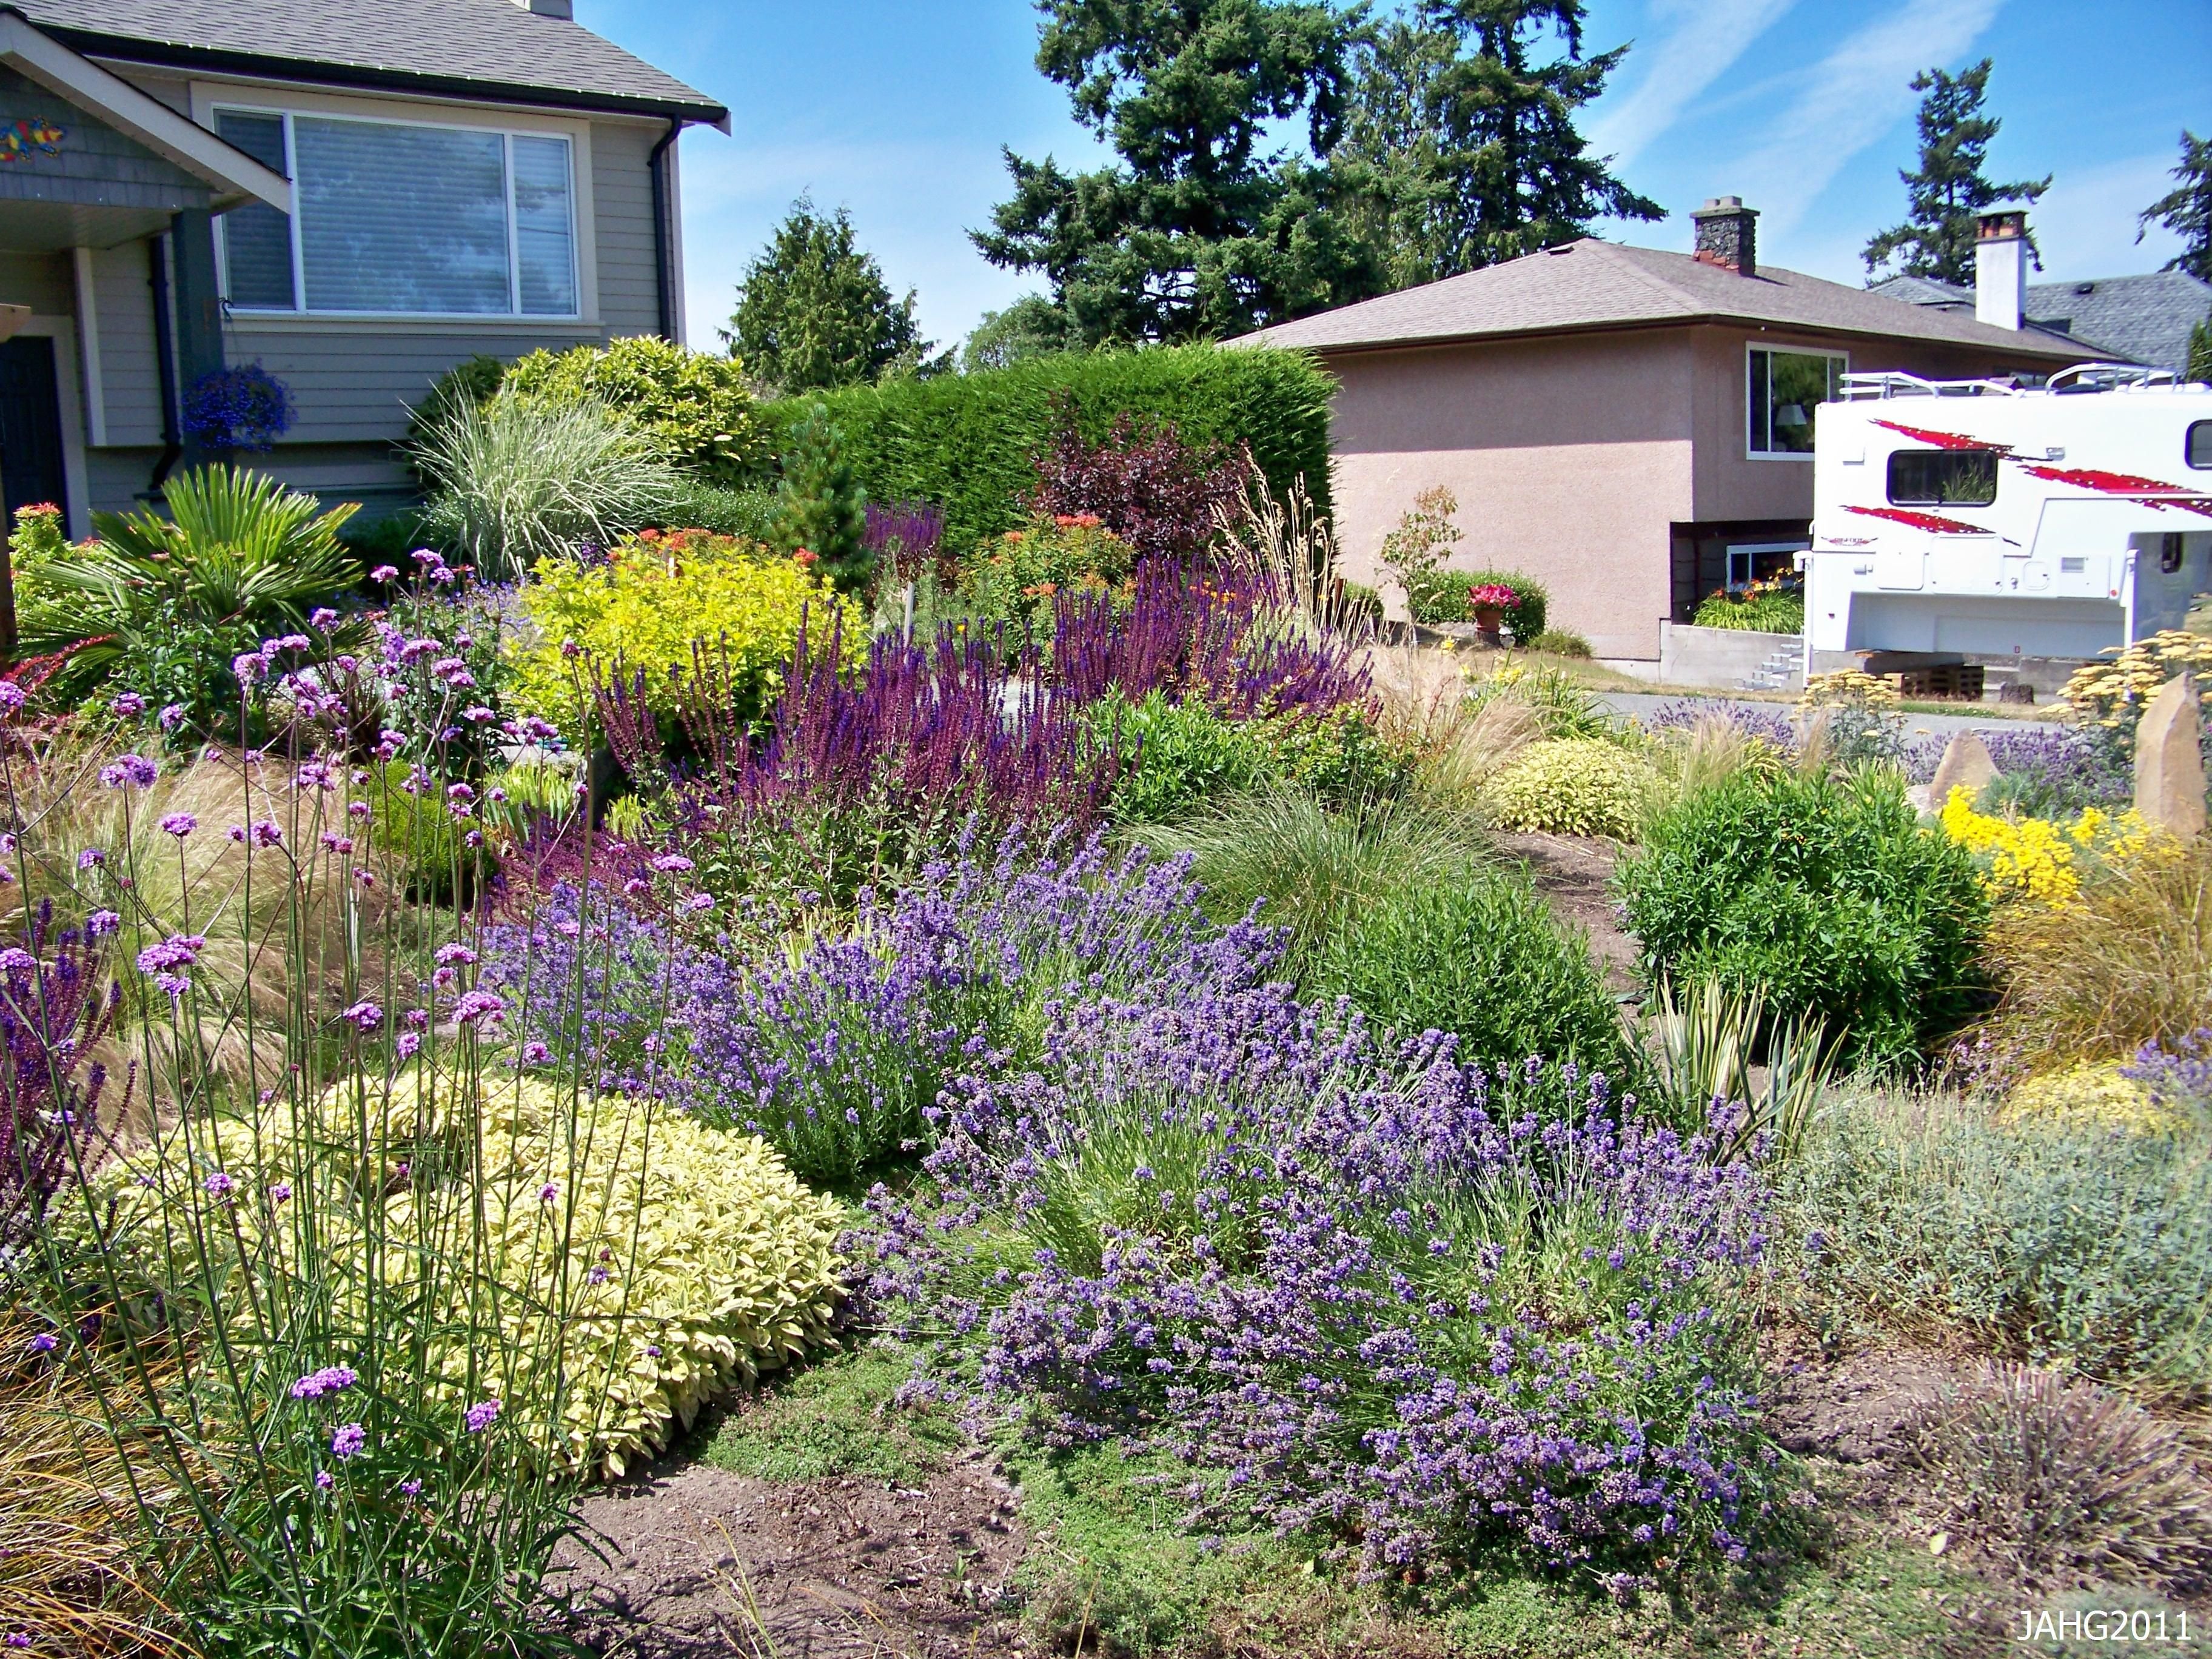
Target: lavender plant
(1409,1309)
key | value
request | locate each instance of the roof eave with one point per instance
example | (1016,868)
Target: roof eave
(2056,353)
(133,49)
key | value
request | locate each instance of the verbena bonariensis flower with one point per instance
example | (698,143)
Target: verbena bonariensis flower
(53,1010)
(1411,1309)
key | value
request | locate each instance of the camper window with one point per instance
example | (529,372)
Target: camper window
(1942,478)
(2200,443)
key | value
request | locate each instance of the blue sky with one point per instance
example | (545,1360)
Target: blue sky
(897,109)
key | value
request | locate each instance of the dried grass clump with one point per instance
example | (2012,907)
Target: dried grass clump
(2070,1482)
(70,1573)
(1459,742)
(2128,961)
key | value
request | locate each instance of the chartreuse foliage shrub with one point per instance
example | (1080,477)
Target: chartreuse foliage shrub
(1574,786)
(694,406)
(1827,897)
(970,441)
(1479,956)
(702,1260)
(653,600)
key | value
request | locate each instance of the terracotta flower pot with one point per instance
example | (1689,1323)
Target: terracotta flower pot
(1488,619)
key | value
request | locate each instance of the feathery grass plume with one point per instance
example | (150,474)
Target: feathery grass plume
(2071,1484)
(1310,869)
(513,481)
(2128,960)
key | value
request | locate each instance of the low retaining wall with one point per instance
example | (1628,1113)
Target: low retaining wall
(1726,658)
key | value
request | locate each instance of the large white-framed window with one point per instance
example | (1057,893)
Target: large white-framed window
(402,219)
(1784,389)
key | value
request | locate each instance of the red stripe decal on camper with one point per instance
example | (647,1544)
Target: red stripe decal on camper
(1944,439)
(1933,521)
(2149,492)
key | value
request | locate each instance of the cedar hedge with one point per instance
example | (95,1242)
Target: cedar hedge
(968,441)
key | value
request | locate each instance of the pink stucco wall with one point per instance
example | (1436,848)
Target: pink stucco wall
(1574,456)
(1570,457)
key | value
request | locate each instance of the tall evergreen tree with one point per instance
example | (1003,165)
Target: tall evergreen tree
(1460,146)
(1944,192)
(1202,229)
(2186,210)
(814,313)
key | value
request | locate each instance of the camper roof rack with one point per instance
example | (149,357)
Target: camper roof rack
(2103,377)
(1896,383)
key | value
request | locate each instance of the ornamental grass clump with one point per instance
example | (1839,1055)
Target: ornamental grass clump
(1411,1312)
(361,1310)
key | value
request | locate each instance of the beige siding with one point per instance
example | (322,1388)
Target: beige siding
(621,201)
(123,289)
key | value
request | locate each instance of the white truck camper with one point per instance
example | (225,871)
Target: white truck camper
(1977,520)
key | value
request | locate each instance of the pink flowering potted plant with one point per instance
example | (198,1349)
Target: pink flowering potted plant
(1488,602)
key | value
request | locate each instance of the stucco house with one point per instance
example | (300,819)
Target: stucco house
(353,194)
(1632,428)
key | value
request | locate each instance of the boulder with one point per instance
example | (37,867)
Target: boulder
(2170,759)
(1965,765)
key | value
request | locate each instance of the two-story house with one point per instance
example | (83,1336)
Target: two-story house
(353,194)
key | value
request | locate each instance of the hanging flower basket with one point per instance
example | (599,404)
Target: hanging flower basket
(246,408)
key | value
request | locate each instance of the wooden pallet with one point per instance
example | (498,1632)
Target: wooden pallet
(1957,682)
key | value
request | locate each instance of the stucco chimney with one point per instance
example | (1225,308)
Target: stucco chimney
(564,9)
(1727,235)
(2001,264)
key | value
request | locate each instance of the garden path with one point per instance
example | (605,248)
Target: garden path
(1575,873)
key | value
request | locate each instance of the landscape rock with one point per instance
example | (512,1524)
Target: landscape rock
(2170,760)
(1966,764)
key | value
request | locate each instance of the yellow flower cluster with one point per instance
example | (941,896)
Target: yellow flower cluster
(653,598)
(2110,692)
(1847,687)
(2036,860)
(2091,1095)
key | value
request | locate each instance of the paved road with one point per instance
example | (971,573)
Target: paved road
(1916,724)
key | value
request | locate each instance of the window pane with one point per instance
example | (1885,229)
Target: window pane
(1798,386)
(2199,447)
(256,239)
(1942,478)
(1757,405)
(393,218)
(544,240)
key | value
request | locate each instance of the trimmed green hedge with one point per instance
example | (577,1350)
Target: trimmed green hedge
(966,441)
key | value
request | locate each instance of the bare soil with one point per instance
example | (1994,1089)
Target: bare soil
(1575,873)
(688,1559)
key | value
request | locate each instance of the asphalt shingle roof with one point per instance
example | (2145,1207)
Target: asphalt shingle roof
(483,47)
(2142,320)
(1590,284)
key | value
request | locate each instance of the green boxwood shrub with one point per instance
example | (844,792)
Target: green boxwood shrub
(969,441)
(1442,597)
(1478,956)
(1824,894)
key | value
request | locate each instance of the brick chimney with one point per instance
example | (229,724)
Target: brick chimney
(2001,264)
(1727,235)
(564,9)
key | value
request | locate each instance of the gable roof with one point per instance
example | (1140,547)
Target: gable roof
(2144,319)
(490,49)
(1591,284)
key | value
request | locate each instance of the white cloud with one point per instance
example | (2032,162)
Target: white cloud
(2085,225)
(1851,98)
(1708,38)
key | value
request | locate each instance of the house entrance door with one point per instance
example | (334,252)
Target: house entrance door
(30,425)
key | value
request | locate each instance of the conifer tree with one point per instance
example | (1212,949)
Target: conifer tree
(1944,192)
(814,313)
(819,506)
(2186,210)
